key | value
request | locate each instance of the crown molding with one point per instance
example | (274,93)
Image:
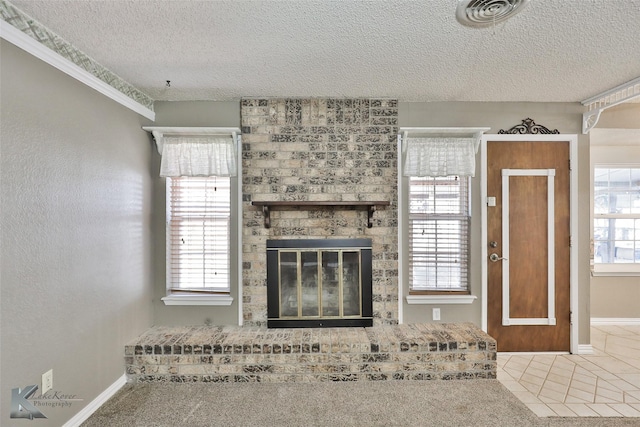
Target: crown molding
(597,104)
(37,49)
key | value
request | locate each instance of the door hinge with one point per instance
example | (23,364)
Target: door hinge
(570,164)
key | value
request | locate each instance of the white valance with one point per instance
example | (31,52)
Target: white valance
(198,156)
(440,156)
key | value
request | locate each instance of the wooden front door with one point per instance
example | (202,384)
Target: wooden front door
(528,238)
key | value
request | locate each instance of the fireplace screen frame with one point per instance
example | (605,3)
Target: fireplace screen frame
(274,317)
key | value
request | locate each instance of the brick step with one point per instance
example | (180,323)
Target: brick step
(428,351)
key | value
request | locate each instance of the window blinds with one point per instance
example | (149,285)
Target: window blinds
(439,224)
(198,220)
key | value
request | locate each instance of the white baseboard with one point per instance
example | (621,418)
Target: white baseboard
(585,349)
(96,403)
(595,321)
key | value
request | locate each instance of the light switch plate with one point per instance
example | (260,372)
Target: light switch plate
(47,381)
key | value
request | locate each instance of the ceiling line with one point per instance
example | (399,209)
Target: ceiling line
(33,37)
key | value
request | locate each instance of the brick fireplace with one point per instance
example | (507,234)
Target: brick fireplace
(323,169)
(320,150)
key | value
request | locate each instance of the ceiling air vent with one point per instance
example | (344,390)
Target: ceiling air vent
(485,13)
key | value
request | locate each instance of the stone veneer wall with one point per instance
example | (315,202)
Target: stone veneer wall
(320,150)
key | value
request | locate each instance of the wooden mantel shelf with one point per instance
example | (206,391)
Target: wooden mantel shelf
(370,206)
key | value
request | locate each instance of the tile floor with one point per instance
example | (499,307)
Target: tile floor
(603,384)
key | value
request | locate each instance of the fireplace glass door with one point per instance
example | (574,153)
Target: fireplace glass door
(321,284)
(329,288)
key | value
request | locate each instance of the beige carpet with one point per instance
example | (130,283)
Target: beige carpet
(383,403)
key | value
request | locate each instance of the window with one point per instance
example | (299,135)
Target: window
(439,224)
(435,169)
(198,234)
(616,228)
(203,202)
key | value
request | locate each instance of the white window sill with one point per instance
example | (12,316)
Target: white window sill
(197,300)
(616,270)
(440,299)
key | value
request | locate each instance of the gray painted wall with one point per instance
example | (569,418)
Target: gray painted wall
(623,116)
(75,233)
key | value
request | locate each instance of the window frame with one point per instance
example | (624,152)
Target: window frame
(184,213)
(463,216)
(209,297)
(404,134)
(610,268)
(236,291)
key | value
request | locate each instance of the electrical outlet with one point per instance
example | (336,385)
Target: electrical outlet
(436,314)
(47,381)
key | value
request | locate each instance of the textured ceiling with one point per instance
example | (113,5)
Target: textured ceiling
(554,50)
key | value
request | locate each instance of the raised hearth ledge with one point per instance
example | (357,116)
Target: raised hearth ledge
(441,299)
(408,352)
(267,205)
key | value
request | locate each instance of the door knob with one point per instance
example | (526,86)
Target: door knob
(495,257)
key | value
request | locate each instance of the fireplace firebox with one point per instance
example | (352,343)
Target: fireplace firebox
(319,283)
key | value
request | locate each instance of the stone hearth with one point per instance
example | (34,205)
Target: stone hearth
(244,354)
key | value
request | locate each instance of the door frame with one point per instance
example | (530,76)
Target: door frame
(572,139)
